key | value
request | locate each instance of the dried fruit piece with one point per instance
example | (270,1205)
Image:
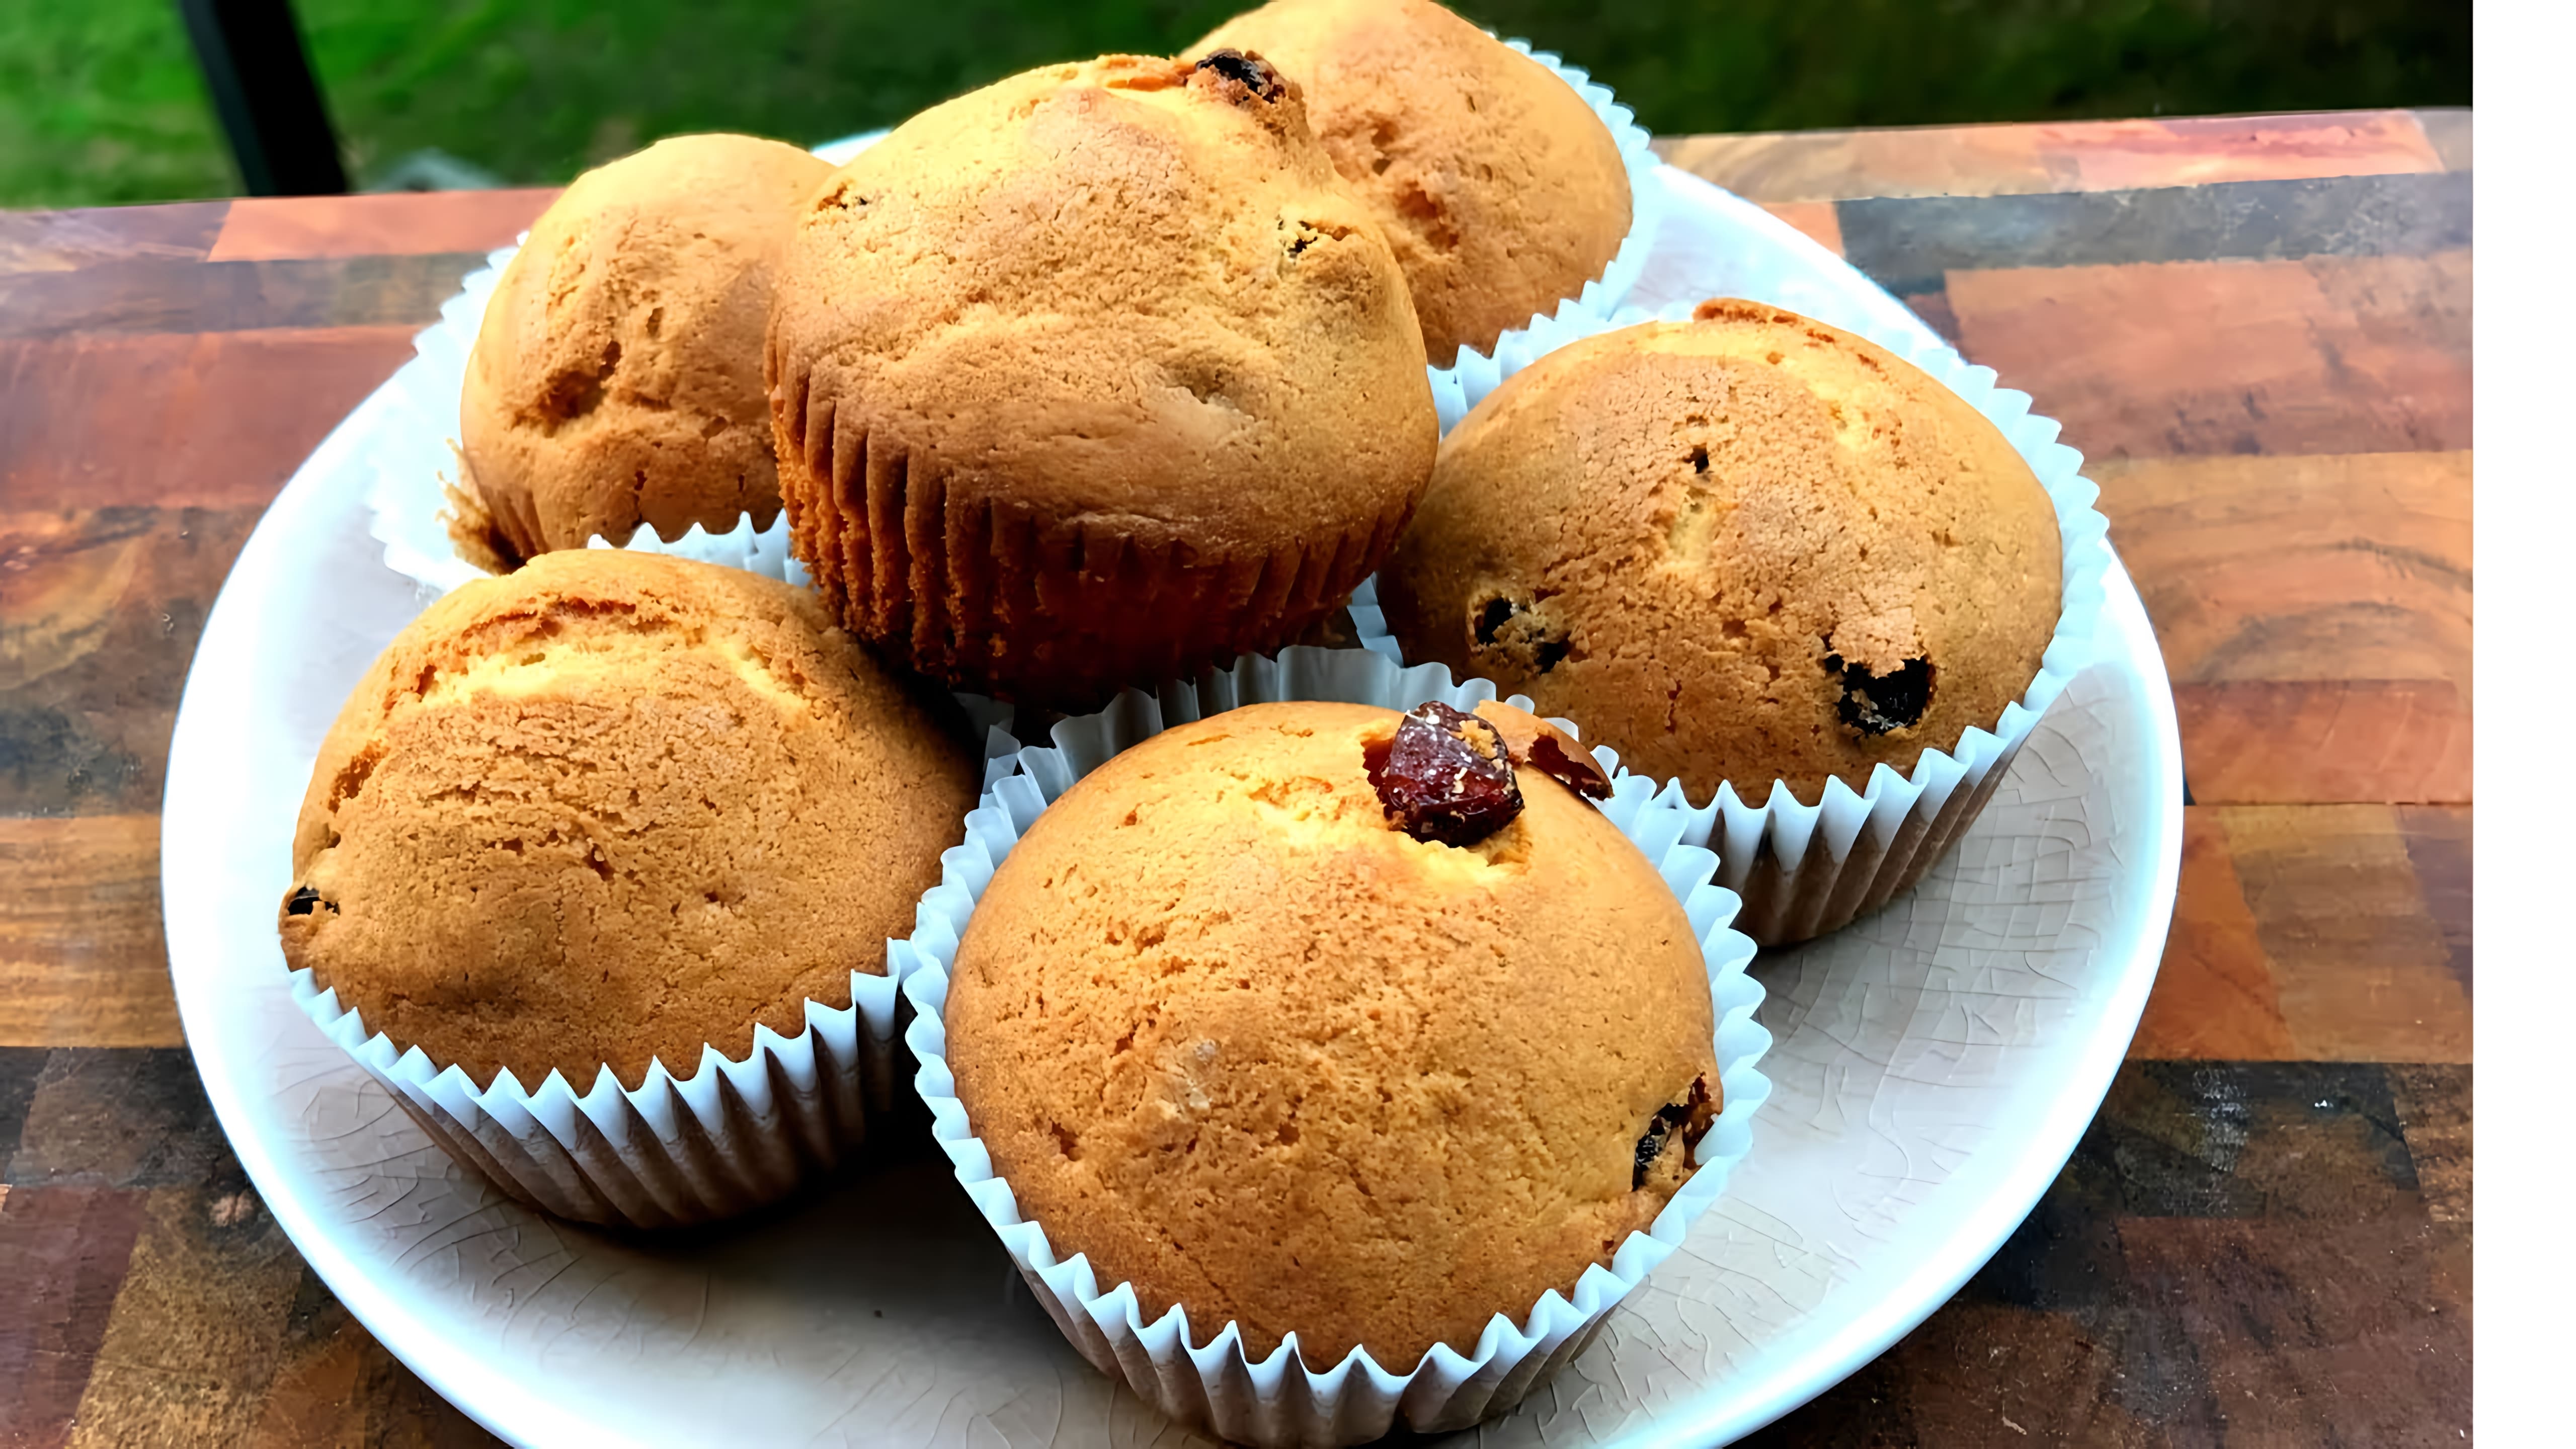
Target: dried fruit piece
(1447,777)
(1693,1113)
(1879,704)
(1250,71)
(1535,744)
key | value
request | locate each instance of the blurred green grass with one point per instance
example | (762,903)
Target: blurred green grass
(100,100)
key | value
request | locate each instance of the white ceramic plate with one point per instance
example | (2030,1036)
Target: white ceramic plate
(1935,1065)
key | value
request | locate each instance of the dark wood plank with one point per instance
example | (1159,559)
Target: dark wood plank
(2433,1109)
(63,1253)
(178,420)
(102,612)
(1899,238)
(163,296)
(393,224)
(2438,847)
(2355,1336)
(2322,1253)
(152,1298)
(2449,131)
(2324,355)
(199,1325)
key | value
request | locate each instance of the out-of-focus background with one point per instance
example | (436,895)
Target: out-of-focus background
(102,101)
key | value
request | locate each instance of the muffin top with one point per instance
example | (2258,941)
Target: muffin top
(614,807)
(1500,188)
(1231,1025)
(616,380)
(1129,291)
(1745,548)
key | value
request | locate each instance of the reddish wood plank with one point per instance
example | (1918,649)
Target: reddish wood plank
(1815,218)
(216,419)
(2201,150)
(2320,355)
(63,241)
(63,1253)
(2298,742)
(2069,156)
(2360,965)
(81,957)
(391,224)
(2321,568)
(2214,996)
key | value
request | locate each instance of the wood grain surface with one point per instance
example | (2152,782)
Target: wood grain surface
(2256,328)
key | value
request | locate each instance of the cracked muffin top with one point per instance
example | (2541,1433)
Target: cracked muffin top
(1285,1017)
(616,380)
(1498,186)
(614,807)
(1743,548)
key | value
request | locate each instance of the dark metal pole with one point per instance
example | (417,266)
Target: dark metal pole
(265,96)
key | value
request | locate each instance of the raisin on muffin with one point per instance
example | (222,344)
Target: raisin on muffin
(1322,1019)
(1094,377)
(1745,548)
(613,808)
(616,379)
(1500,188)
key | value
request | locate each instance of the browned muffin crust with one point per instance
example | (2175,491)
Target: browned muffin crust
(1499,187)
(1228,1030)
(614,807)
(616,380)
(1745,548)
(1093,377)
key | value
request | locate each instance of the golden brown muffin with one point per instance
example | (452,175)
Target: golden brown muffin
(1093,377)
(614,807)
(616,381)
(1498,185)
(1744,548)
(1230,1031)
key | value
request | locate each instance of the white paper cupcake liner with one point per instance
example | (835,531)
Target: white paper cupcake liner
(1804,870)
(1214,1384)
(732,1135)
(1464,383)
(676,1150)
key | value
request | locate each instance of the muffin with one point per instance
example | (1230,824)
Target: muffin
(1743,548)
(614,808)
(1094,377)
(1320,1019)
(1499,186)
(616,380)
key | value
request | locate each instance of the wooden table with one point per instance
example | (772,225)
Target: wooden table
(2258,330)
